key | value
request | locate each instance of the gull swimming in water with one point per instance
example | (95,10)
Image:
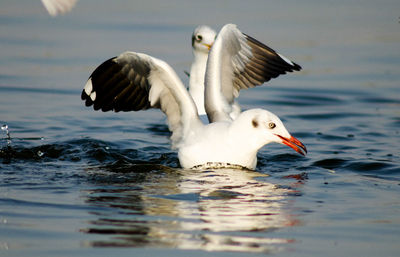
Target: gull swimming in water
(136,81)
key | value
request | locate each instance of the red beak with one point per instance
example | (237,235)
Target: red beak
(295,144)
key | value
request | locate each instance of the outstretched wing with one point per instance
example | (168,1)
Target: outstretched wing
(55,7)
(238,61)
(134,81)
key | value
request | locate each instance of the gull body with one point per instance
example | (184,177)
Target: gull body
(232,143)
(136,81)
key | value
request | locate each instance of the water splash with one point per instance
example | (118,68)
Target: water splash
(40,153)
(5,128)
(8,136)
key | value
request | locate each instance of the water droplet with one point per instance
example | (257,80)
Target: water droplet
(5,128)
(40,153)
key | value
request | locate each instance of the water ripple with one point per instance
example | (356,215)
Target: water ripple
(330,115)
(90,151)
(333,163)
(372,166)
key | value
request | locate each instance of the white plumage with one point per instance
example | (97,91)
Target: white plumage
(202,39)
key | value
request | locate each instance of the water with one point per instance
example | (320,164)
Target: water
(75,182)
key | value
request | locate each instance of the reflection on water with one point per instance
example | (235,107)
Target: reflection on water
(214,210)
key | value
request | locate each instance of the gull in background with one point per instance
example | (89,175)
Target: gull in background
(136,81)
(202,39)
(55,7)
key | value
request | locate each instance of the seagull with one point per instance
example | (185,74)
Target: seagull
(202,39)
(136,81)
(55,7)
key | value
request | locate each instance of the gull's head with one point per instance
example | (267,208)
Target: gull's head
(265,127)
(203,38)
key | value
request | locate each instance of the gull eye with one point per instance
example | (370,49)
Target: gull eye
(271,125)
(199,37)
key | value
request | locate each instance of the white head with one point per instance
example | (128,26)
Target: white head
(203,38)
(263,127)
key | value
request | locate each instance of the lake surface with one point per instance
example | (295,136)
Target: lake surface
(75,182)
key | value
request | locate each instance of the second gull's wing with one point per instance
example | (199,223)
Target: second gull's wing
(238,61)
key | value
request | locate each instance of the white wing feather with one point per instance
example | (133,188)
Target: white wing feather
(55,7)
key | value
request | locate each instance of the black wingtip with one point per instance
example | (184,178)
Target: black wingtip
(118,85)
(87,99)
(84,96)
(289,65)
(296,67)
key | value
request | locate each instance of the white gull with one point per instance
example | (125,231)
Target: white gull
(136,81)
(202,39)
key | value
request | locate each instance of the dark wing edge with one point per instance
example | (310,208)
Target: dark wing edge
(118,85)
(264,64)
